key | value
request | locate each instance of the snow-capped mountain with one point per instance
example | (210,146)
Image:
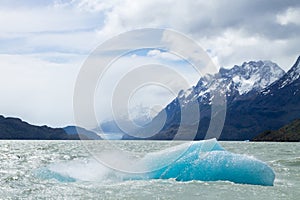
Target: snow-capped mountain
(240,83)
(250,77)
(253,75)
(276,106)
(259,97)
(289,78)
(292,75)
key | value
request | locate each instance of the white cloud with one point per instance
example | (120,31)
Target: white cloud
(36,19)
(290,16)
(163,55)
(231,27)
(93,5)
(235,47)
(62,27)
(37,90)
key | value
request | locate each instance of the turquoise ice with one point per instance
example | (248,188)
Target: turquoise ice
(208,161)
(198,160)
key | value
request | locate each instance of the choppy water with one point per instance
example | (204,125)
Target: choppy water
(21,160)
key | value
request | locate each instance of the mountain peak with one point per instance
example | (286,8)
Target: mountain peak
(292,75)
(252,75)
(296,66)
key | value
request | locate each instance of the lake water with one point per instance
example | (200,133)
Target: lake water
(22,160)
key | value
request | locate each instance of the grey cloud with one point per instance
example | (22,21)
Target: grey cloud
(254,17)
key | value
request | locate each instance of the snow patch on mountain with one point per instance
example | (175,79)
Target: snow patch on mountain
(239,80)
(292,75)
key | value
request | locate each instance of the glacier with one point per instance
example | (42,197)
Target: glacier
(203,160)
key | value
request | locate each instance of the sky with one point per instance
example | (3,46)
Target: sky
(45,43)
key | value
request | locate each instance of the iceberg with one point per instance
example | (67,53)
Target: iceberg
(208,161)
(203,160)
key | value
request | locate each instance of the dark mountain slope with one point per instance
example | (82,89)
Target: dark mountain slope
(14,128)
(288,133)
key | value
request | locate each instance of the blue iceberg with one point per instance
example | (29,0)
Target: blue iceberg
(208,161)
(199,160)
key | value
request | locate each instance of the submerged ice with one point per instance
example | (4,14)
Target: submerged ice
(199,160)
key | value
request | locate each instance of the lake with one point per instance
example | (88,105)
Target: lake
(22,160)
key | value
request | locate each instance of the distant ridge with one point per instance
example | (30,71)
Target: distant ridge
(75,130)
(287,133)
(16,129)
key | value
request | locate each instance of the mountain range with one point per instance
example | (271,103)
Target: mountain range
(15,128)
(257,96)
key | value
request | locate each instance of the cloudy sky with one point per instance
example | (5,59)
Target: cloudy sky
(45,43)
